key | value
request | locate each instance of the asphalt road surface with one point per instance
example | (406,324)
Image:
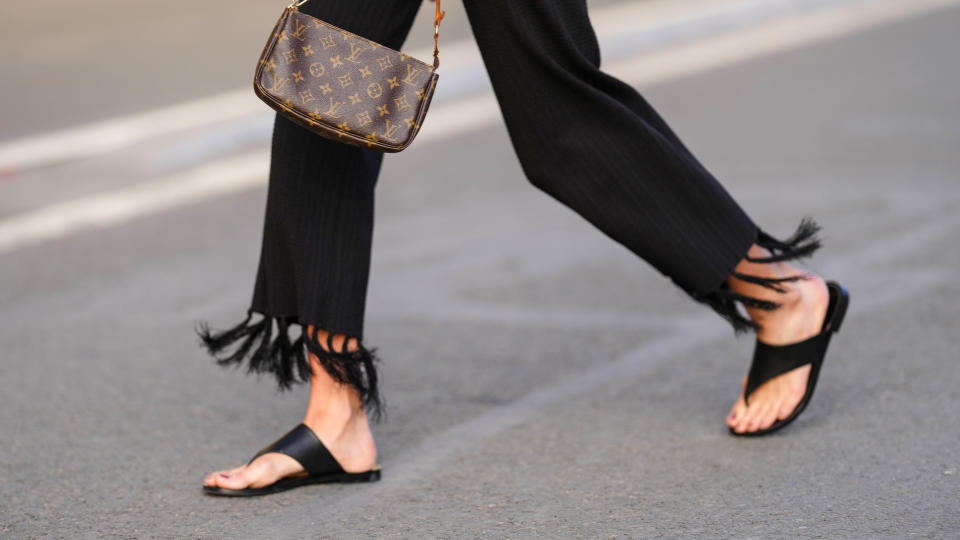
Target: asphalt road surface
(541,381)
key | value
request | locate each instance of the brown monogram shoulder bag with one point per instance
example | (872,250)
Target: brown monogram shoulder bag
(343,86)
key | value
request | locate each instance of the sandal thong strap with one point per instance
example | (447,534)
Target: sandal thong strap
(770,361)
(303,445)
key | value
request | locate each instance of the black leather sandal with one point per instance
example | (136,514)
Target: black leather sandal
(302,444)
(770,361)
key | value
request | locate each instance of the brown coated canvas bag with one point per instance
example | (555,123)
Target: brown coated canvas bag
(343,86)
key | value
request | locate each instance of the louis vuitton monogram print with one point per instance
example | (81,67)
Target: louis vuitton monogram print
(342,85)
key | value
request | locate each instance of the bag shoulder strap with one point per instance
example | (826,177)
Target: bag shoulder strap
(436,35)
(436,29)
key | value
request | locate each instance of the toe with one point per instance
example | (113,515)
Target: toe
(263,471)
(739,408)
(239,479)
(755,415)
(749,416)
(741,418)
(213,478)
(747,422)
(769,415)
(743,422)
(763,418)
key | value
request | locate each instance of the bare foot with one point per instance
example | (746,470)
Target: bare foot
(351,445)
(800,316)
(336,416)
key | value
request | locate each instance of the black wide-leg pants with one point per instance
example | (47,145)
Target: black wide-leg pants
(585,138)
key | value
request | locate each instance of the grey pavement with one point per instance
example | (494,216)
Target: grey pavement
(541,381)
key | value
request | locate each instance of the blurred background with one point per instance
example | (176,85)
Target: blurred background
(541,381)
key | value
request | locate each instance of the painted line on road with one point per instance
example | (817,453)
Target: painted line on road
(457,118)
(104,210)
(464,74)
(447,120)
(116,133)
(772,37)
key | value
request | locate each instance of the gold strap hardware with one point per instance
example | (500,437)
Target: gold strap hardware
(436,36)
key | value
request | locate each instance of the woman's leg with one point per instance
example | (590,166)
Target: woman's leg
(592,142)
(313,271)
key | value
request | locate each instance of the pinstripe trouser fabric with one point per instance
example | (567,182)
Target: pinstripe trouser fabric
(583,137)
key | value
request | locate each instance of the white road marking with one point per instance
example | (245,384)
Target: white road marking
(116,133)
(446,120)
(103,210)
(772,37)
(459,58)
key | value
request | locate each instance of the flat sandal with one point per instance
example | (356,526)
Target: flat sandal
(770,361)
(303,445)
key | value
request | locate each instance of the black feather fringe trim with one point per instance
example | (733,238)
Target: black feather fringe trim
(255,343)
(356,368)
(801,244)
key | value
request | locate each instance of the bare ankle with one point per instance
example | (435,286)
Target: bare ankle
(333,411)
(793,295)
(343,427)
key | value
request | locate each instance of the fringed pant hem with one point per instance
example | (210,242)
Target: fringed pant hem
(802,244)
(254,343)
